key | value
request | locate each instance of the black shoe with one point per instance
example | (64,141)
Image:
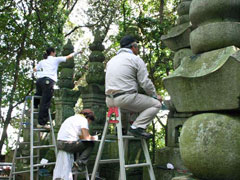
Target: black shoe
(140,132)
(79,164)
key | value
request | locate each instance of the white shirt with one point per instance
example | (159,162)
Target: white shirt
(71,128)
(125,71)
(48,67)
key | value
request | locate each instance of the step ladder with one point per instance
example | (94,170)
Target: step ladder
(120,137)
(34,156)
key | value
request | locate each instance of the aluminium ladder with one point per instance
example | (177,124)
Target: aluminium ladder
(122,175)
(33,144)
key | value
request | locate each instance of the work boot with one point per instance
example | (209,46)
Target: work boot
(140,132)
(80,165)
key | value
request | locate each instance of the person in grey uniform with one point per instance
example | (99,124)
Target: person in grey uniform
(124,72)
(47,77)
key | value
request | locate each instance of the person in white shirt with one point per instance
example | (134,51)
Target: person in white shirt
(124,72)
(46,78)
(74,137)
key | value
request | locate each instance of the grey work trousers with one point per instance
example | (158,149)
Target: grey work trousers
(147,106)
(84,148)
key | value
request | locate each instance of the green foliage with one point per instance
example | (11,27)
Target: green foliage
(26,29)
(144,20)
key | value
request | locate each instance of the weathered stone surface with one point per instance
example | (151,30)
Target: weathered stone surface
(65,100)
(183,8)
(174,126)
(96,56)
(179,55)
(65,83)
(95,73)
(66,73)
(215,36)
(169,155)
(67,49)
(210,81)
(178,37)
(205,11)
(96,46)
(210,146)
(183,19)
(68,64)
(93,97)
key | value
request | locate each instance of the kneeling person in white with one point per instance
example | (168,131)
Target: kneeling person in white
(70,138)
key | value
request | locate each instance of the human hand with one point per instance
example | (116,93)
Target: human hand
(159,98)
(76,53)
(95,137)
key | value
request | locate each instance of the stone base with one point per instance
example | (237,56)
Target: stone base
(174,126)
(169,155)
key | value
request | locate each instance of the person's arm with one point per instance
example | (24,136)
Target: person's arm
(143,80)
(37,67)
(72,55)
(85,135)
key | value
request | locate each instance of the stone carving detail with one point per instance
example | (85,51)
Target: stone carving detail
(210,81)
(65,97)
(178,38)
(93,95)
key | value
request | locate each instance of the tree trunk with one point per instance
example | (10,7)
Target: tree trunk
(161,11)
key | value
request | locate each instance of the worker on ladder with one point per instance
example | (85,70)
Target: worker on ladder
(46,78)
(74,137)
(124,72)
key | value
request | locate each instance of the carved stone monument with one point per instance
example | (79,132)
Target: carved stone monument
(65,97)
(207,84)
(93,95)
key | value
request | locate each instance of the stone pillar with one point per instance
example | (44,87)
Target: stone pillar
(65,97)
(93,95)
(207,85)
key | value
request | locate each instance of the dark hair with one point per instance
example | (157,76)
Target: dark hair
(48,52)
(126,41)
(88,114)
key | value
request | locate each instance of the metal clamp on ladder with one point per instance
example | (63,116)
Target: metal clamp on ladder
(31,144)
(117,121)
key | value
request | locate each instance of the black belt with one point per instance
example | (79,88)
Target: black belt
(119,94)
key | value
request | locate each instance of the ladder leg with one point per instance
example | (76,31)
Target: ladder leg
(86,173)
(99,154)
(52,133)
(17,143)
(31,139)
(121,149)
(148,160)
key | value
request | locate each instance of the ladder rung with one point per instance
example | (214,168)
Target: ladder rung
(137,165)
(26,157)
(5,164)
(20,172)
(124,137)
(41,129)
(44,146)
(131,137)
(28,142)
(108,161)
(79,172)
(46,164)
(3,177)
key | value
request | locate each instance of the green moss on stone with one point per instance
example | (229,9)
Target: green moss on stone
(96,56)
(66,73)
(95,73)
(210,146)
